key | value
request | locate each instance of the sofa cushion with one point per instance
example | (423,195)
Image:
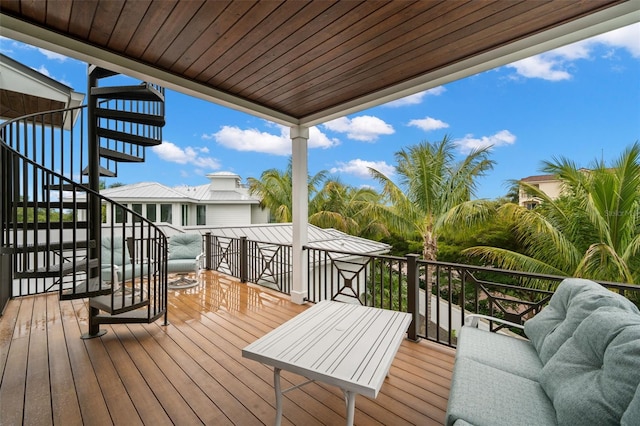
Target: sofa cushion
(594,375)
(574,300)
(511,354)
(631,416)
(486,396)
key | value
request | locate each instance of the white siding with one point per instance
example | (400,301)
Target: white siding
(259,215)
(228,214)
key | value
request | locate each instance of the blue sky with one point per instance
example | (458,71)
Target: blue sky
(580,101)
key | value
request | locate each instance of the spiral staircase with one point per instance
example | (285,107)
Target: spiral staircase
(57,232)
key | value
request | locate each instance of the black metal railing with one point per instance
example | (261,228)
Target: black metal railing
(258,262)
(46,235)
(437,294)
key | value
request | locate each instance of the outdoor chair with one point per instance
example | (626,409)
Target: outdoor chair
(116,259)
(185,256)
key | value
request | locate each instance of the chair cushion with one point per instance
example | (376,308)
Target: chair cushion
(574,300)
(511,354)
(594,375)
(113,252)
(181,265)
(486,396)
(185,246)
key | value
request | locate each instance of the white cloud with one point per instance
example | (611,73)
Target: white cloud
(363,128)
(428,124)
(255,140)
(171,152)
(417,98)
(545,66)
(360,168)
(53,55)
(469,143)
(44,70)
(623,38)
(556,64)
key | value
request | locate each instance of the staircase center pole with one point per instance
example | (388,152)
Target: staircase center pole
(95,215)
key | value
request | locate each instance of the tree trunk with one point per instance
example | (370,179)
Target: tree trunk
(429,252)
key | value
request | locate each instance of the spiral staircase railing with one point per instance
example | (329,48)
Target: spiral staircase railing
(57,232)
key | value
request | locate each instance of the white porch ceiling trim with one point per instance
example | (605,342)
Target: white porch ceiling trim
(46,39)
(589,26)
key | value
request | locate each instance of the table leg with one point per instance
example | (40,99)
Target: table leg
(276,385)
(350,401)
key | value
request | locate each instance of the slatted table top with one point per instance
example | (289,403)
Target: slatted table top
(346,345)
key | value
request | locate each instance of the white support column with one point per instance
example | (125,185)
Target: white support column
(300,199)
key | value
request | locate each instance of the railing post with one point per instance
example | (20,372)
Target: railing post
(95,211)
(244,260)
(207,251)
(413,296)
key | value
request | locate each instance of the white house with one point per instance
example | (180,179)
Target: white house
(549,184)
(224,201)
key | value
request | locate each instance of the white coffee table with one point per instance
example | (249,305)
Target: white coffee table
(347,345)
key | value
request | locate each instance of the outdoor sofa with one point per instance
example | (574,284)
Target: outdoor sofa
(580,366)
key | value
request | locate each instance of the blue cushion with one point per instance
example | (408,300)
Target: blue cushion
(185,246)
(594,375)
(574,300)
(511,354)
(486,396)
(631,416)
(182,265)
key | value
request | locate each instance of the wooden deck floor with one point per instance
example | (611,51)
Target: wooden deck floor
(190,372)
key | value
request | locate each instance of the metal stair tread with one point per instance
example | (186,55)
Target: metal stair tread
(100,72)
(103,172)
(31,226)
(127,137)
(58,269)
(119,156)
(57,246)
(141,92)
(121,304)
(131,117)
(86,288)
(67,187)
(54,204)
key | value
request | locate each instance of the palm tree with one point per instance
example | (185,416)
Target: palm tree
(591,231)
(274,188)
(431,183)
(341,207)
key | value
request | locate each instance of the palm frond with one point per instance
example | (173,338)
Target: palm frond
(601,262)
(507,259)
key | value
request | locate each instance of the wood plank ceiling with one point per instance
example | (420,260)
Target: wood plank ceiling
(298,58)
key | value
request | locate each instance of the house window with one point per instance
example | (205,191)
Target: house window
(185,214)
(121,214)
(151,212)
(165,213)
(138,209)
(201,215)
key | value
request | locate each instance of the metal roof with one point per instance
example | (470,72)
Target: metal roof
(194,194)
(282,233)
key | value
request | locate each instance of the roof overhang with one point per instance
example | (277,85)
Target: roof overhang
(25,91)
(590,19)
